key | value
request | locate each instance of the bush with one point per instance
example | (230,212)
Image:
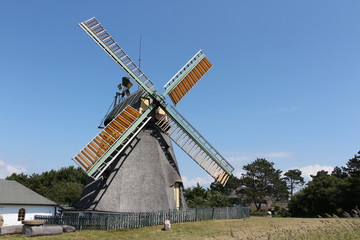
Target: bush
(261,214)
(281,212)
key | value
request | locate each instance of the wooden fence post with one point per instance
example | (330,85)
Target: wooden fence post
(80,223)
(107,222)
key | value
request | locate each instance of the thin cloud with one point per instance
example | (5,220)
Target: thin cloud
(7,169)
(286,109)
(203,181)
(239,174)
(277,154)
(312,170)
(241,157)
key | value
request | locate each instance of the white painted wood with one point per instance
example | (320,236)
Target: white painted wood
(10,212)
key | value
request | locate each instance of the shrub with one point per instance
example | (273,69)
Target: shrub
(256,213)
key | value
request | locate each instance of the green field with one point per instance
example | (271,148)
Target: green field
(252,228)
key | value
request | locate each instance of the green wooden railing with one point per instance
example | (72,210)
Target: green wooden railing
(137,220)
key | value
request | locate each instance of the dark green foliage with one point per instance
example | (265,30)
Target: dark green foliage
(322,195)
(231,184)
(229,189)
(280,212)
(262,180)
(319,174)
(339,173)
(63,186)
(332,194)
(293,179)
(217,199)
(352,168)
(351,193)
(200,197)
(66,193)
(196,196)
(261,214)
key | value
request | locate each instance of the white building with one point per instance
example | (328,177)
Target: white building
(18,203)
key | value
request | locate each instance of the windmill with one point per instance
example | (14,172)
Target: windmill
(132,157)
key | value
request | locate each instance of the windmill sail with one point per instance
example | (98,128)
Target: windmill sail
(195,146)
(97,32)
(99,153)
(185,79)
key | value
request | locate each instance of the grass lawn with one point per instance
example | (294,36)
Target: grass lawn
(252,228)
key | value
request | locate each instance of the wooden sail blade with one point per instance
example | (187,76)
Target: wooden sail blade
(195,145)
(186,78)
(97,155)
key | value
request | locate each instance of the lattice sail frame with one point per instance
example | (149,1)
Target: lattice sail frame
(176,126)
(98,33)
(195,146)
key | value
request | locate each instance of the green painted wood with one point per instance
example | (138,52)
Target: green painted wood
(116,58)
(188,131)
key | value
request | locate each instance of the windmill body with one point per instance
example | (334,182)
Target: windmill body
(131,161)
(145,177)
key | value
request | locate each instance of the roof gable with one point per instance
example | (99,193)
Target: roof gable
(12,192)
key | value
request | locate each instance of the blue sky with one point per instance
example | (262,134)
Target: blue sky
(284,86)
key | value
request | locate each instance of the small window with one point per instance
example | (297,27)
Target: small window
(21,215)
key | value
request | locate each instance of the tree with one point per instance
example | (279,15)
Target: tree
(231,185)
(339,173)
(67,193)
(352,193)
(262,180)
(319,174)
(353,166)
(293,179)
(196,196)
(217,199)
(332,194)
(200,197)
(324,194)
(20,178)
(63,186)
(280,188)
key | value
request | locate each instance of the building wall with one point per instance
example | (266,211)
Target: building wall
(10,212)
